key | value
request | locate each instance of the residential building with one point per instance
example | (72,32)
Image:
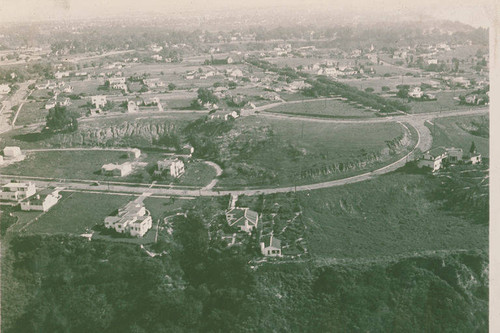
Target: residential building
(132,218)
(120,86)
(17,191)
(116,80)
(455,155)
(136,152)
(50,104)
(174,166)
(433,159)
(42,200)
(12,151)
(116,170)
(416,92)
(432,61)
(132,107)
(270,246)
(242,218)
(474,158)
(4,89)
(99,101)
(153,83)
(60,75)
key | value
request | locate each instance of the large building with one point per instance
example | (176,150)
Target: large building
(242,218)
(99,101)
(12,152)
(42,200)
(133,218)
(116,170)
(174,166)
(17,191)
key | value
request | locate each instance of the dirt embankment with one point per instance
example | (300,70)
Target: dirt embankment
(124,134)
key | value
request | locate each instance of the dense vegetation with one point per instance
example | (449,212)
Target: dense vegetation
(63,284)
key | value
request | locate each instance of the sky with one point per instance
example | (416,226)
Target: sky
(473,12)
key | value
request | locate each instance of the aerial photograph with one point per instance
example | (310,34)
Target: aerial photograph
(254,166)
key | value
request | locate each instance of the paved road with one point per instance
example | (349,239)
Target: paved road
(417,121)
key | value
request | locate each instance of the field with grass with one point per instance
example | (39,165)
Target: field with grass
(325,108)
(73,216)
(460,132)
(390,215)
(287,152)
(32,112)
(444,102)
(65,164)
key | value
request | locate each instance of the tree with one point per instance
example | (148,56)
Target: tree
(472,149)
(171,86)
(369,90)
(386,88)
(59,119)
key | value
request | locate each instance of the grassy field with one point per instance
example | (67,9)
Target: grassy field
(390,215)
(450,132)
(306,148)
(72,214)
(444,102)
(326,108)
(65,164)
(32,112)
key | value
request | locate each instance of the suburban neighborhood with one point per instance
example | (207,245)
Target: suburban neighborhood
(244,167)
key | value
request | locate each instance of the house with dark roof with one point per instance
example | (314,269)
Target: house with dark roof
(433,159)
(270,246)
(242,218)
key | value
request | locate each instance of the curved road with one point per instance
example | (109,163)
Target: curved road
(417,121)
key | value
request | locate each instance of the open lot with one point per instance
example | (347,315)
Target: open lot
(390,215)
(299,152)
(326,108)
(32,112)
(455,132)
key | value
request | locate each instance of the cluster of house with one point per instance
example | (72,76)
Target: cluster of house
(437,158)
(246,220)
(57,101)
(28,197)
(133,218)
(172,167)
(417,93)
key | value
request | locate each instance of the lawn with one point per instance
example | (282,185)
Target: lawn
(65,164)
(72,214)
(390,215)
(455,132)
(325,108)
(444,102)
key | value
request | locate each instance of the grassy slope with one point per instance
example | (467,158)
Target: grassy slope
(447,132)
(392,214)
(331,108)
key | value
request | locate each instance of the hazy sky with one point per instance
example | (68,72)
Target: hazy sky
(476,13)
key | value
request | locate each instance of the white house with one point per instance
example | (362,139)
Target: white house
(136,152)
(116,80)
(4,89)
(60,75)
(475,158)
(454,154)
(17,191)
(118,170)
(41,200)
(433,159)
(120,86)
(416,92)
(12,151)
(132,218)
(270,246)
(132,107)
(242,218)
(174,166)
(50,104)
(99,101)
(153,83)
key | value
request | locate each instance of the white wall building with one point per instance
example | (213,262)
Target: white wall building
(116,170)
(12,151)
(270,246)
(42,200)
(99,101)
(174,166)
(17,191)
(132,218)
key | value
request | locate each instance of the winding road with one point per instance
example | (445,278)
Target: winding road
(417,121)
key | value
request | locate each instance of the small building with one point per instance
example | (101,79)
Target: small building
(116,170)
(12,152)
(17,191)
(42,200)
(116,80)
(99,101)
(242,218)
(455,155)
(474,158)
(50,104)
(187,149)
(4,89)
(136,152)
(132,107)
(433,159)
(133,218)
(416,92)
(270,246)
(174,166)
